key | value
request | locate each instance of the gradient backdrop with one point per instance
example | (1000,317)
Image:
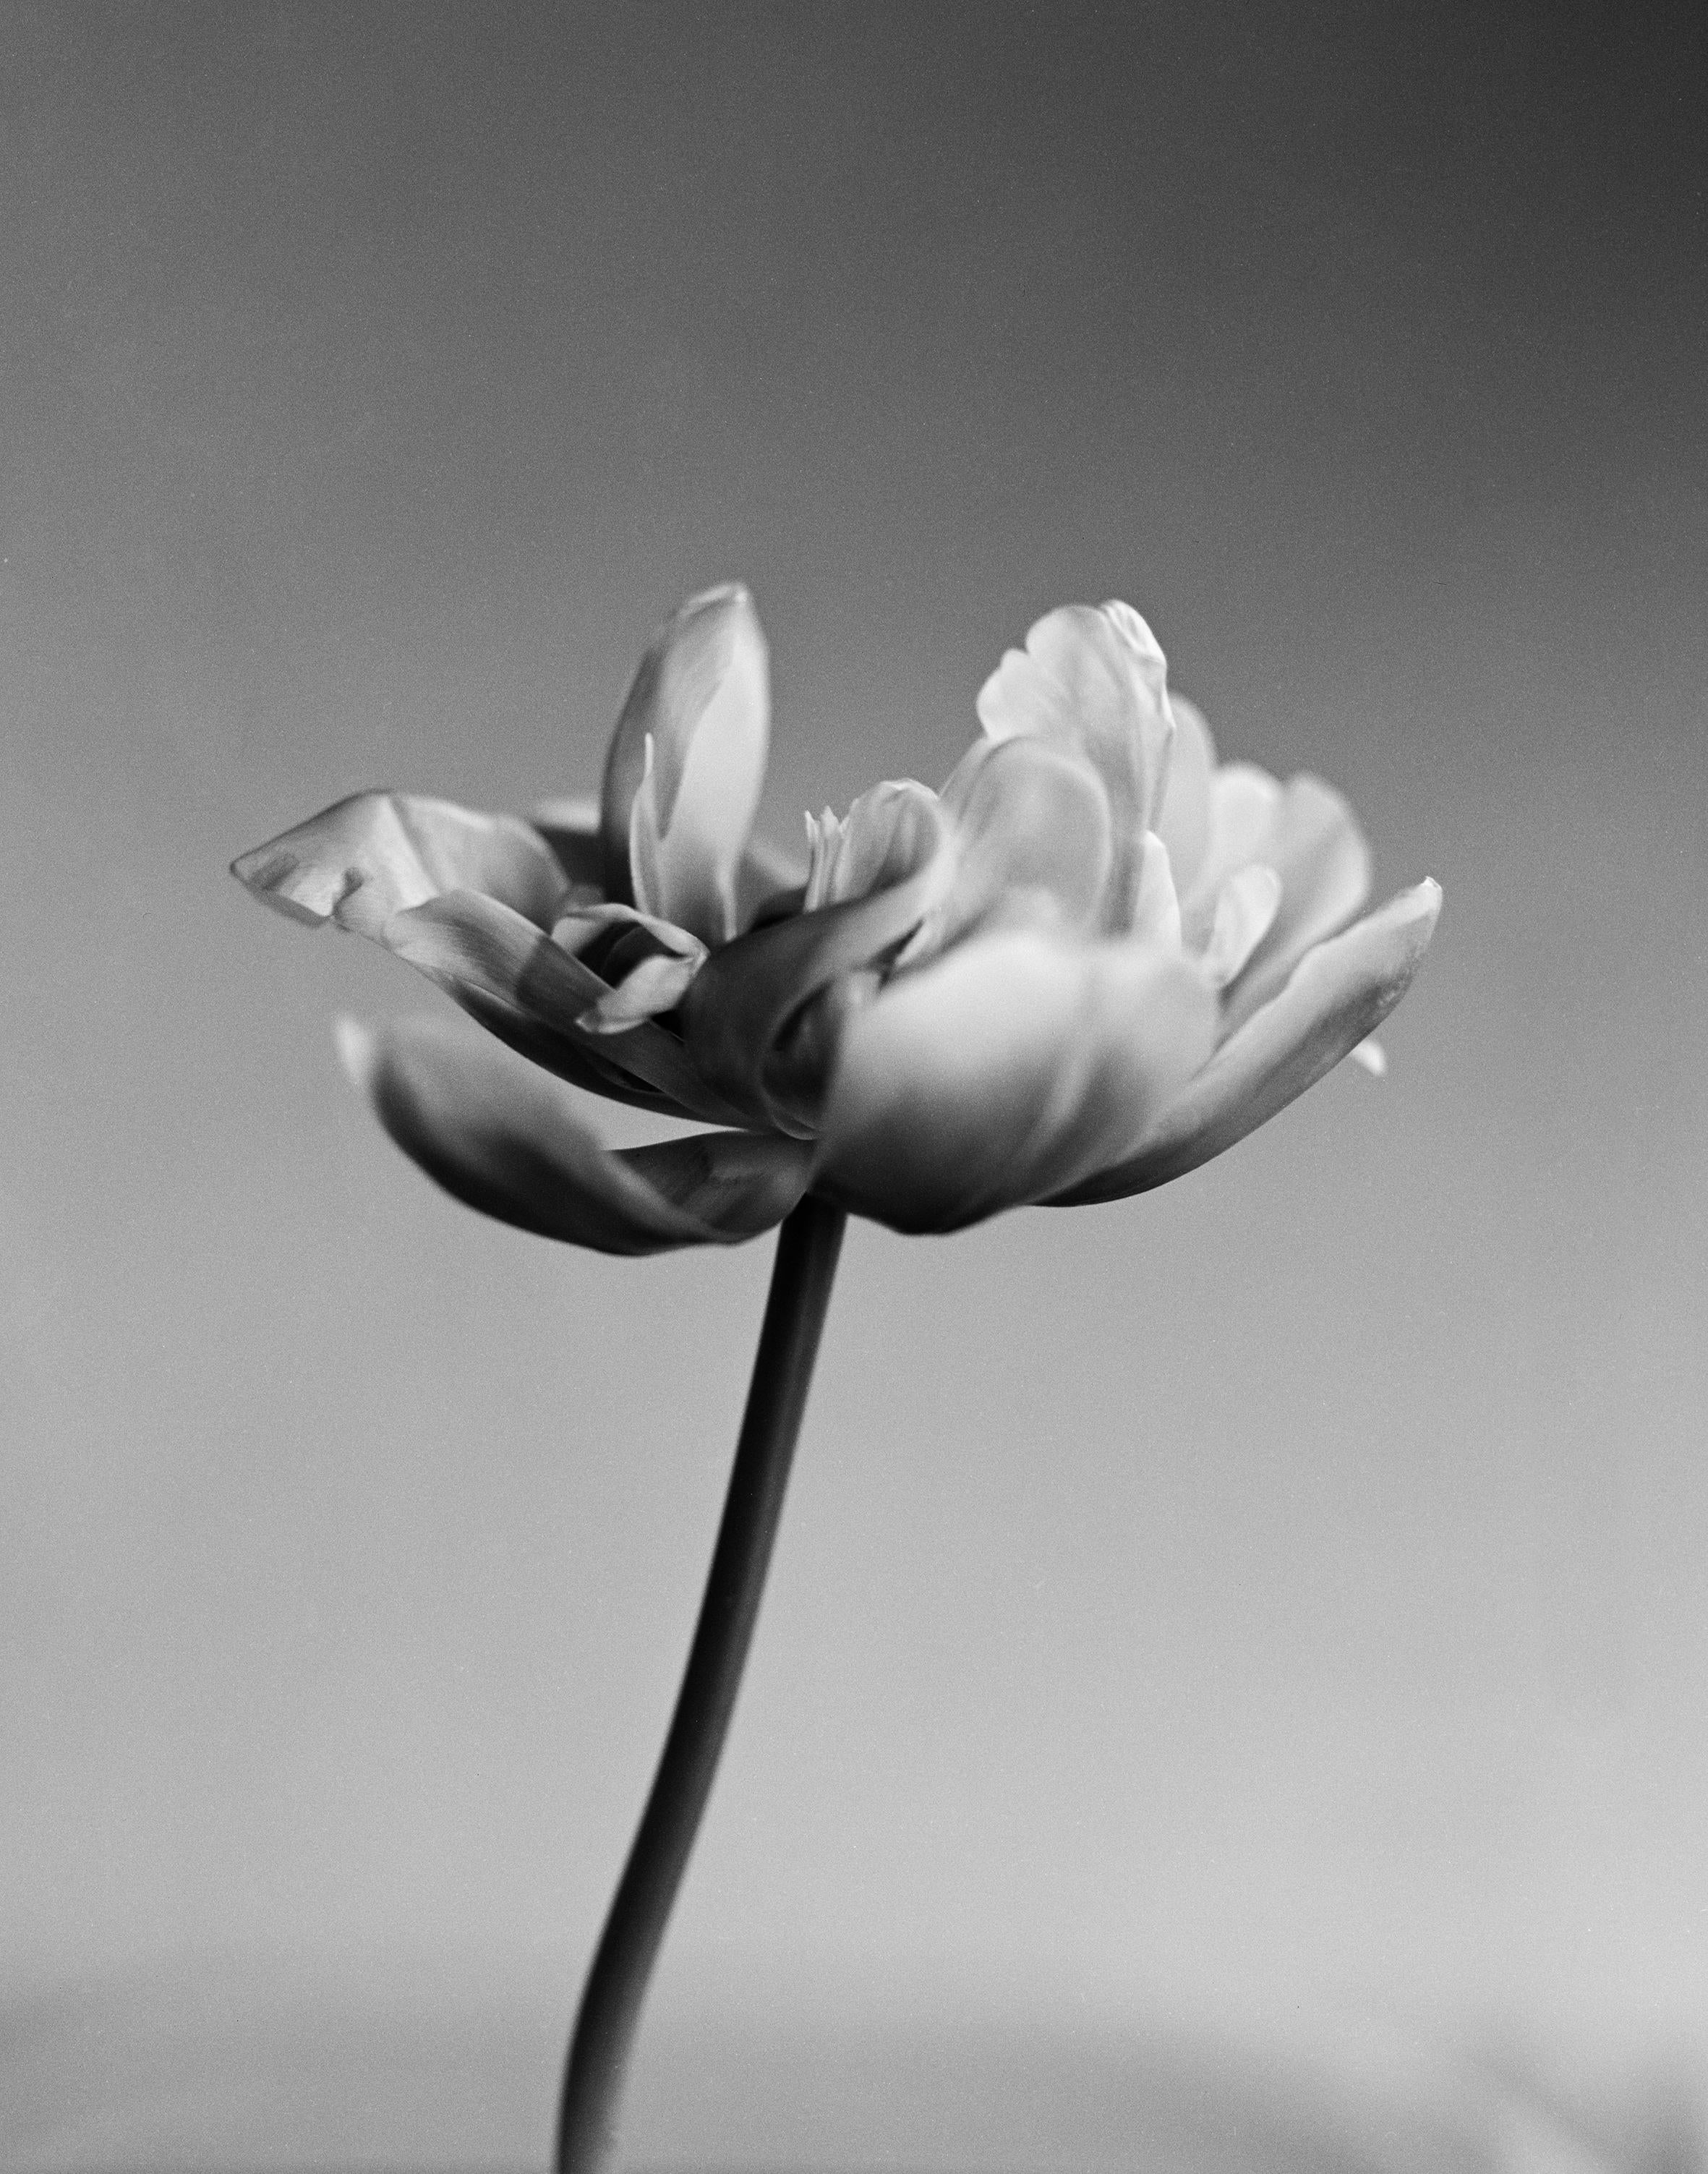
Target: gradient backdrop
(1271,1614)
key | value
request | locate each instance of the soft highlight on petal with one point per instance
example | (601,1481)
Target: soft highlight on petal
(1156,907)
(506,1140)
(986,1079)
(1246,909)
(376,854)
(1033,839)
(1097,680)
(1183,818)
(1242,814)
(1315,847)
(686,765)
(570,827)
(1337,995)
(889,833)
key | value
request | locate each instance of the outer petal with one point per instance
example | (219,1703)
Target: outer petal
(687,765)
(1182,819)
(507,1140)
(1338,993)
(1011,1067)
(376,854)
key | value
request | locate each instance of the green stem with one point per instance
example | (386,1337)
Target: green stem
(800,1294)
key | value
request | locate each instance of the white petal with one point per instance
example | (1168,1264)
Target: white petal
(1317,848)
(1182,820)
(1337,993)
(697,725)
(507,1140)
(1033,841)
(1156,910)
(1245,908)
(889,834)
(1097,680)
(983,1080)
(376,854)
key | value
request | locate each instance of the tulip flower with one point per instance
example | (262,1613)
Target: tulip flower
(1094,959)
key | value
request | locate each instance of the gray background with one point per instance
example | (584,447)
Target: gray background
(1274,1609)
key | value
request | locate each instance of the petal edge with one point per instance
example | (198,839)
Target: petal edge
(1337,994)
(507,1140)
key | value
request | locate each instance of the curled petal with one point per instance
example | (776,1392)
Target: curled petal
(579,926)
(1317,848)
(534,994)
(987,1078)
(503,1138)
(1096,680)
(1338,993)
(376,854)
(1182,819)
(687,765)
(749,991)
(658,984)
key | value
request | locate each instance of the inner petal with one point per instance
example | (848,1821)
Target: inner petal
(690,745)
(1032,838)
(1183,818)
(889,834)
(1246,906)
(1095,680)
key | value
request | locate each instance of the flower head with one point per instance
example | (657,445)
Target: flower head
(1093,961)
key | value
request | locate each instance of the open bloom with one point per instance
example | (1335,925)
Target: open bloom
(1093,961)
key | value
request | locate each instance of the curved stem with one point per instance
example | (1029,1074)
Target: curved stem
(800,1294)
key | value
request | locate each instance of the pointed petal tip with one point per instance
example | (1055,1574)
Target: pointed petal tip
(731,599)
(1415,911)
(266,871)
(731,592)
(1336,997)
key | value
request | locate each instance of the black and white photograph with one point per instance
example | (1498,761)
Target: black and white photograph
(854,1110)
